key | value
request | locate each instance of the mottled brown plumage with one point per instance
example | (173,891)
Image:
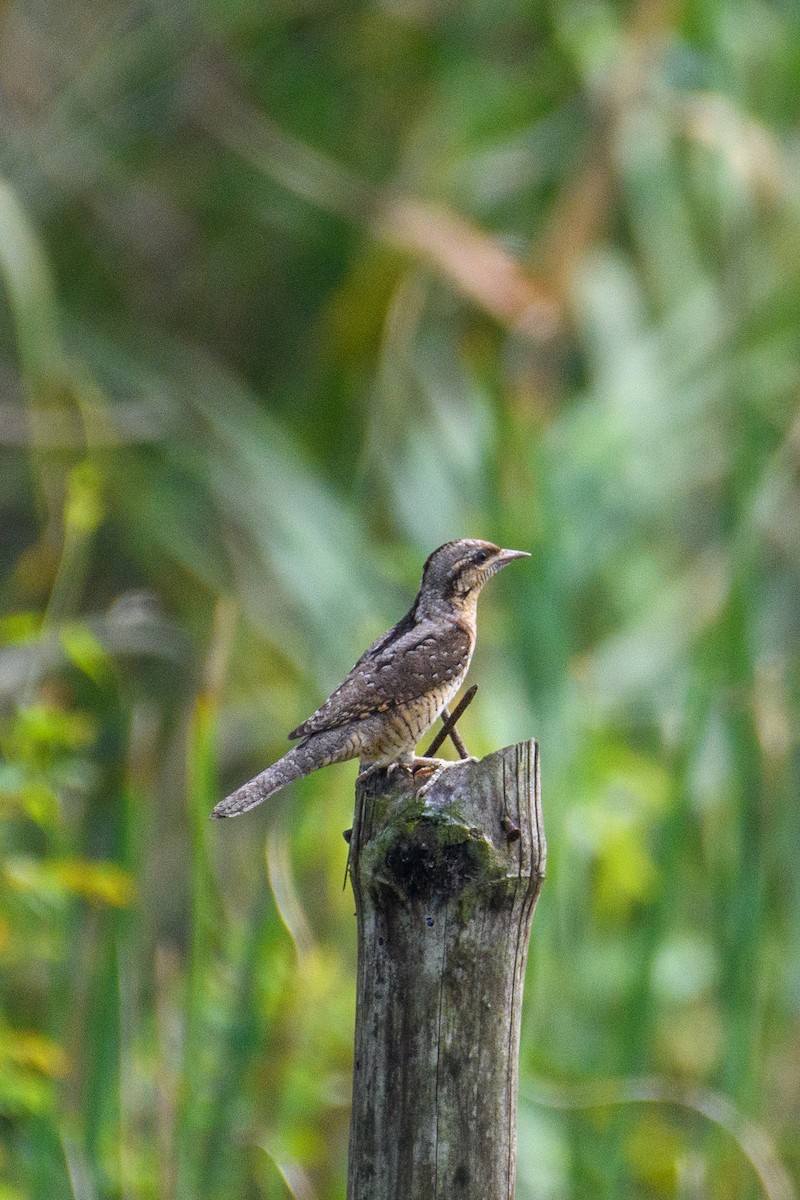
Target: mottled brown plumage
(397,688)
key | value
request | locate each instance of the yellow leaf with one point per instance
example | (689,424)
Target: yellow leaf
(103,881)
(31,1049)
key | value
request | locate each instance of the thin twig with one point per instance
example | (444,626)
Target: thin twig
(449,727)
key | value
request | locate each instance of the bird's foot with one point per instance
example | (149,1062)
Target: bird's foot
(431,764)
(388,768)
(369,771)
(425,765)
(436,768)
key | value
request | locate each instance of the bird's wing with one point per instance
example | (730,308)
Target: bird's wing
(396,669)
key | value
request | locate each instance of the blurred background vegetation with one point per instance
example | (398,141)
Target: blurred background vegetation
(291,294)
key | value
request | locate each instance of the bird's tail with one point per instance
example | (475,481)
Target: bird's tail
(314,752)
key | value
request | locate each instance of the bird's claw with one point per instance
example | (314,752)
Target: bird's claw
(437,767)
(387,768)
(400,765)
(415,768)
(425,764)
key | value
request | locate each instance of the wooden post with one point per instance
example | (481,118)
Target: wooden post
(445,885)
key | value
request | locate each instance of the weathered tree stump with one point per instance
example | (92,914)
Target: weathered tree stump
(445,886)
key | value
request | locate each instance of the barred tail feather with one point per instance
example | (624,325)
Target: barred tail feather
(314,752)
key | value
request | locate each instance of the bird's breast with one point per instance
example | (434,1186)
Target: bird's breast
(403,725)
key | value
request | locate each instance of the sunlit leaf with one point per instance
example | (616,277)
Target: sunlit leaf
(103,882)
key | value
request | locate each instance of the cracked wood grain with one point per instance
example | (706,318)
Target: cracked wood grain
(445,884)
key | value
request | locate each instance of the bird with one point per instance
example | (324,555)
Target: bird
(399,686)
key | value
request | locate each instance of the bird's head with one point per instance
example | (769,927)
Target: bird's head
(455,573)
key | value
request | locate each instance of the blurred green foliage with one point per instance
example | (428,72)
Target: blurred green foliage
(291,294)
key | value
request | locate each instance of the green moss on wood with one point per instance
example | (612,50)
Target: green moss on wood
(425,853)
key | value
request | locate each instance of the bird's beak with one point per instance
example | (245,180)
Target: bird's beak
(507,556)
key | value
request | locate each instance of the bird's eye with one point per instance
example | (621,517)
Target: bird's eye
(481,556)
